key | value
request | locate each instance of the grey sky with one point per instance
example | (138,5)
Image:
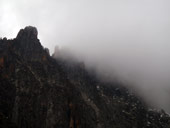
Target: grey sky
(130,37)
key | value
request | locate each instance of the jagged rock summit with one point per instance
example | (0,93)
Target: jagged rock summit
(28,44)
(28,32)
(39,91)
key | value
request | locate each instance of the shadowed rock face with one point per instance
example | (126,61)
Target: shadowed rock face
(28,44)
(28,32)
(38,91)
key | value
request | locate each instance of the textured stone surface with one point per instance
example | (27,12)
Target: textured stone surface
(38,91)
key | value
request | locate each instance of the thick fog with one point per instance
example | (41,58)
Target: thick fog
(126,38)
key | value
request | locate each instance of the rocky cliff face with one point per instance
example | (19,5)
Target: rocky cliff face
(38,91)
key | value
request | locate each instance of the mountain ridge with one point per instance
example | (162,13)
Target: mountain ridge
(40,91)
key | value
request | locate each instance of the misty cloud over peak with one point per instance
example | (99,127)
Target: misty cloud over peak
(129,38)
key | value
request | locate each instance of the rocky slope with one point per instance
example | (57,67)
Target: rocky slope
(38,91)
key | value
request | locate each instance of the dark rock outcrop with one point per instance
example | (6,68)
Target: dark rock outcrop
(38,91)
(28,32)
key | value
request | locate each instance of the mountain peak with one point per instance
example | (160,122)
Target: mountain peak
(28,43)
(28,32)
(59,93)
